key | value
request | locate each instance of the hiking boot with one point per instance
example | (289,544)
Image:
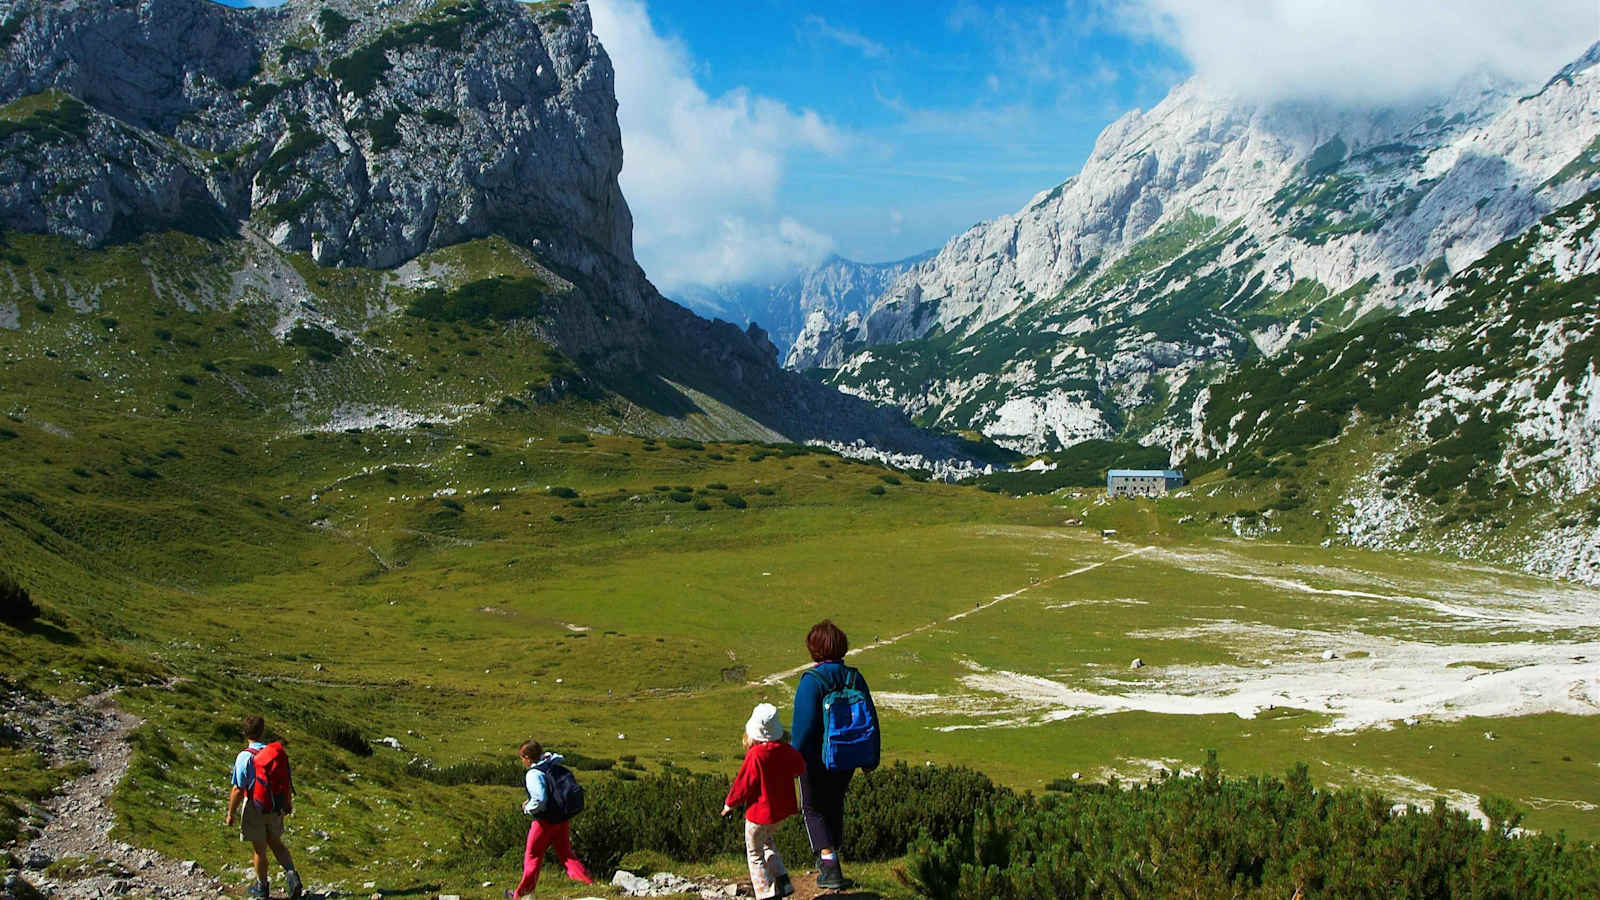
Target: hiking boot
(830,875)
(259,891)
(785,888)
(291,880)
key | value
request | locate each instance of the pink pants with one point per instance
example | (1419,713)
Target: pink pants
(542,837)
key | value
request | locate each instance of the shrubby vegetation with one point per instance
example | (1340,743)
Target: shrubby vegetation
(676,813)
(1199,835)
(1208,836)
(16,606)
(489,299)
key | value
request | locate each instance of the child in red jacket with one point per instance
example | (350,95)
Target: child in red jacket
(765,785)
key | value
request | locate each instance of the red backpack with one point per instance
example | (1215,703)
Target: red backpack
(271,788)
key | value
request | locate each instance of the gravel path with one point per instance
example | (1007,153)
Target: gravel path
(80,818)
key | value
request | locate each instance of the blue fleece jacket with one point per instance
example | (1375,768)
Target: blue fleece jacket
(816,682)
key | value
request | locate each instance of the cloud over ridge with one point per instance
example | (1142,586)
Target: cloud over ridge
(1365,52)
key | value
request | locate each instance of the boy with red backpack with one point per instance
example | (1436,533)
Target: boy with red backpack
(262,785)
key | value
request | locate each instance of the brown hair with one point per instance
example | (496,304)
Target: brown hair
(254,728)
(826,641)
(531,750)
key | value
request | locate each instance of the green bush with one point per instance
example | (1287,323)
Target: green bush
(702,505)
(876,490)
(680,497)
(1206,836)
(675,813)
(506,772)
(564,493)
(262,370)
(577,438)
(716,486)
(340,734)
(735,501)
(490,299)
(889,479)
(16,607)
(320,343)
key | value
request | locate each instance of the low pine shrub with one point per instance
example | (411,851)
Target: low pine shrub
(506,772)
(680,497)
(876,490)
(17,609)
(735,501)
(338,733)
(564,493)
(1244,837)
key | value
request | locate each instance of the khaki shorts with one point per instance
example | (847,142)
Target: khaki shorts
(256,826)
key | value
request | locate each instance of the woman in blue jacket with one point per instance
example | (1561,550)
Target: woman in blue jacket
(823,786)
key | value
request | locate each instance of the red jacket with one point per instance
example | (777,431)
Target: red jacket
(765,783)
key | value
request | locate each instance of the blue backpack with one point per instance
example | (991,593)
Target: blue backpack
(564,798)
(849,725)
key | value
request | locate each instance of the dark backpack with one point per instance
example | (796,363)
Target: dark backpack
(849,725)
(563,798)
(271,788)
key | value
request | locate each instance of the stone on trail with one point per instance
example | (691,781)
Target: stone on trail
(1329,654)
(1136,664)
(631,884)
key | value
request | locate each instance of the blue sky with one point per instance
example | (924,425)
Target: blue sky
(890,127)
(761,135)
(946,114)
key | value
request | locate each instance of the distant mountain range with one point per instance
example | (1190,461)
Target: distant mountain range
(813,300)
(1202,234)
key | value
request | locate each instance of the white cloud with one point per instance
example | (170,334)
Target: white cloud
(855,40)
(702,173)
(1366,51)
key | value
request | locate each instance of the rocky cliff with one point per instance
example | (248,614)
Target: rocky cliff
(1205,232)
(365,136)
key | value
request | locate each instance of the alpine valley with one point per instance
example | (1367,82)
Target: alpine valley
(331,390)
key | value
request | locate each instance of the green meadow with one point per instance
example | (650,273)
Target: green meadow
(507,564)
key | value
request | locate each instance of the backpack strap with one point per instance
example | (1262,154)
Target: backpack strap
(847,679)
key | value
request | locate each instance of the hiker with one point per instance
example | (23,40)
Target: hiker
(554,797)
(765,786)
(261,783)
(836,731)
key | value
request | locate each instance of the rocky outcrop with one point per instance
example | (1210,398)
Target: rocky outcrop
(1206,231)
(362,137)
